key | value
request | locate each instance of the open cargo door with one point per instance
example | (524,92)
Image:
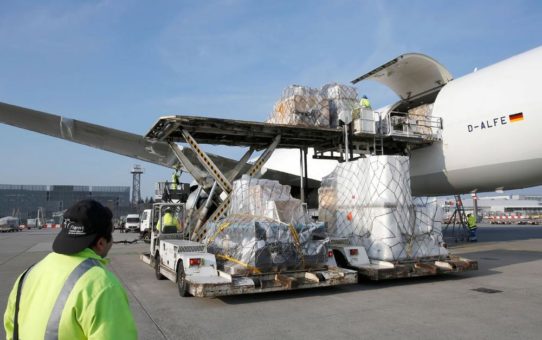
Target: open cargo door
(414,77)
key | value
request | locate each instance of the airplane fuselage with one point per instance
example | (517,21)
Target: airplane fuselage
(491,136)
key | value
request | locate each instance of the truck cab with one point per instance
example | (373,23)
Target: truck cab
(145,226)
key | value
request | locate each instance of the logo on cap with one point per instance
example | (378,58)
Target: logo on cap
(74,229)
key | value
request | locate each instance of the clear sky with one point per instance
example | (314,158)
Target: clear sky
(123,64)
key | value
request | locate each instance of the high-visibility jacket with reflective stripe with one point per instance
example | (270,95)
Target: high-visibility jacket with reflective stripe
(169,220)
(95,308)
(471,222)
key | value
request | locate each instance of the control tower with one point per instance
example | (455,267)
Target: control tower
(136,172)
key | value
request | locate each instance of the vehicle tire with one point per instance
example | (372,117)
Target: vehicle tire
(147,237)
(157,268)
(181,280)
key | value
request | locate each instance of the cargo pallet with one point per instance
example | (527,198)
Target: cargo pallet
(383,270)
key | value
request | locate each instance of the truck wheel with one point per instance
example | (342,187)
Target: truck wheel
(157,268)
(147,237)
(181,280)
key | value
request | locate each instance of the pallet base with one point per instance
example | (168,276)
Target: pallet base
(388,270)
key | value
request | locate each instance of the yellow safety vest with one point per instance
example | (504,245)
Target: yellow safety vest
(364,102)
(174,180)
(71,297)
(168,220)
(471,222)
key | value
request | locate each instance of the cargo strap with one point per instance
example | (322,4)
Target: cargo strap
(297,243)
(221,228)
(17,303)
(54,320)
(247,266)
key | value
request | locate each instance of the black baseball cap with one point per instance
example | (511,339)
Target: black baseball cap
(82,222)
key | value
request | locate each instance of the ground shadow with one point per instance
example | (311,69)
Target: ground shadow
(488,262)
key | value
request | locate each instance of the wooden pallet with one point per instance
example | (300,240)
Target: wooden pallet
(424,267)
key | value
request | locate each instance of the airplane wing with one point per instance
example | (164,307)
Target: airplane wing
(122,142)
(100,137)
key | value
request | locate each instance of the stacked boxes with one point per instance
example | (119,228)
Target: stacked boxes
(342,101)
(369,201)
(305,106)
(301,106)
(267,198)
(266,231)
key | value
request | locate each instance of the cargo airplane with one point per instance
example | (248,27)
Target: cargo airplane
(490,137)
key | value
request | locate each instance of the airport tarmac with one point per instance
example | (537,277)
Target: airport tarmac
(447,307)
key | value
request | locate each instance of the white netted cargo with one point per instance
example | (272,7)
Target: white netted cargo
(342,101)
(369,201)
(267,198)
(301,106)
(428,228)
(246,244)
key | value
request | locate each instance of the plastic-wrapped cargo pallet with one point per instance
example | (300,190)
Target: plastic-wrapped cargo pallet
(246,244)
(369,201)
(342,99)
(301,106)
(262,197)
(266,231)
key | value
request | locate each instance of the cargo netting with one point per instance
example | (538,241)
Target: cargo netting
(266,230)
(369,201)
(267,198)
(306,106)
(343,100)
(247,244)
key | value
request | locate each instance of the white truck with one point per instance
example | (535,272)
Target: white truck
(145,225)
(9,224)
(197,273)
(132,223)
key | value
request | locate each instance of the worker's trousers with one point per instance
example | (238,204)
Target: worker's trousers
(472,235)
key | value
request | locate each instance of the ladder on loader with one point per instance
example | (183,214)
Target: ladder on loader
(456,226)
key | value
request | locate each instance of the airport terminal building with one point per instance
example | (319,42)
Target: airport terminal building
(24,201)
(506,205)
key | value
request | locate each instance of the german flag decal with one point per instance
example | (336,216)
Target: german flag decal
(516,117)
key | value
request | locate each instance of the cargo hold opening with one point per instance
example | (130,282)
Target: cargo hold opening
(415,78)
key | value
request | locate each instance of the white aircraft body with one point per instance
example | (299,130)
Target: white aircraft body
(490,138)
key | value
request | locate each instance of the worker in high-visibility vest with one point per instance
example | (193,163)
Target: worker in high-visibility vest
(473,228)
(365,103)
(70,294)
(175,178)
(168,223)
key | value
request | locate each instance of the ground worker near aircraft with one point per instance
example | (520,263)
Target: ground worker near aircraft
(365,103)
(175,178)
(168,223)
(471,224)
(70,294)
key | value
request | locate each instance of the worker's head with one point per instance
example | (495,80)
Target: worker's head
(87,224)
(469,215)
(364,97)
(167,210)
